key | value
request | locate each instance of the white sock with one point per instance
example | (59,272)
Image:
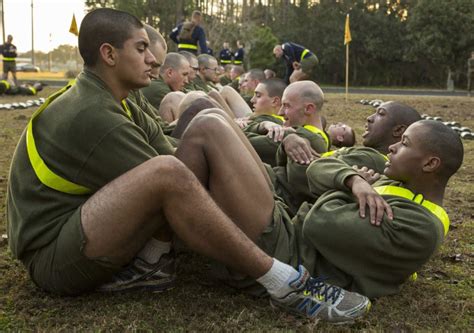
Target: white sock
(277,278)
(153,250)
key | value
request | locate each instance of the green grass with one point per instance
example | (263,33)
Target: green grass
(440,300)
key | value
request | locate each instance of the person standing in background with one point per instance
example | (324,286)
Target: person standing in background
(9,59)
(190,34)
(239,54)
(470,73)
(225,55)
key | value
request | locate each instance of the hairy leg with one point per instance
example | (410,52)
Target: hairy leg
(119,219)
(212,148)
(236,103)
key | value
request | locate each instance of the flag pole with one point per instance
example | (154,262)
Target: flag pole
(347,71)
(347,40)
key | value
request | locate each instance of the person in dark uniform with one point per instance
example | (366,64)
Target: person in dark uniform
(300,62)
(189,35)
(239,54)
(209,50)
(9,59)
(470,73)
(225,55)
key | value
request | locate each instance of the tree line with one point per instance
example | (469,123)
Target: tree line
(394,42)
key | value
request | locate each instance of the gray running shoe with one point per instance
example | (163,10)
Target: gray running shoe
(141,275)
(313,298)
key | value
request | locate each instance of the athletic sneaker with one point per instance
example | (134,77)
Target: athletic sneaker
(140,274)
(313,298)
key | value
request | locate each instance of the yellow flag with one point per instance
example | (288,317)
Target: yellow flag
(347,32)
(73,27)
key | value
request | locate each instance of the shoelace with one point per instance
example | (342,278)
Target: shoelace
(323,291)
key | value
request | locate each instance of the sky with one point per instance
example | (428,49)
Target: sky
(50,17)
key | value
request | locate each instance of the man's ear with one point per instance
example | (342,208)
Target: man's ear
(398,131)
(168,72)
(108,54)
(431,164)
(276,102)
(310,109)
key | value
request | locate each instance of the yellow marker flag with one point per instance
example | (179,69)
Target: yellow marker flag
(347,32)
(73,27)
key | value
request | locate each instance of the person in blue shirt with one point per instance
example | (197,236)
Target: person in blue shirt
(209,50)
(300,62)
(225,55)
(8,51)
(189,35)
(239,54)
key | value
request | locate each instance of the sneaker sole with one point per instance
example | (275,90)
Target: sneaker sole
(349,321)
(145,285)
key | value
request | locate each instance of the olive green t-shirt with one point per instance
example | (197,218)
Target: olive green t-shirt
(139,99)
(337,243)
(86,137)
(199,84)
(291,181)
(155,92)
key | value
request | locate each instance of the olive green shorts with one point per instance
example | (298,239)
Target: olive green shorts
(308,65)
(9,66)
(61,266)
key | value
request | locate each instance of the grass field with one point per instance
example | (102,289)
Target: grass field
(30,76)
(440,300)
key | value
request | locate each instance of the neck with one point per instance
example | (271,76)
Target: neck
(117,89)
(314,121)
(432,189)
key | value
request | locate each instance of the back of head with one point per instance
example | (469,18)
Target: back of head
(154,36)
(104,25)
(308,91)
(256,74)
(173,60)
(189,56)
(274,87)
(401,114)
(196,16)
(442,141)
(204,60)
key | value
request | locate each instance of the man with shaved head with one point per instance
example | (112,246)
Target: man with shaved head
(92,205)
(370,245)
(173,77)
(207,73)
(383,128)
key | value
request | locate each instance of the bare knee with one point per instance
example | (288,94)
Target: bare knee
(207,123)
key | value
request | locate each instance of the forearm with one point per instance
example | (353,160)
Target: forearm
(328,174)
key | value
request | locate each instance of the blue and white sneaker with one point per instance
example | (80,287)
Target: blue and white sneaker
(313,298)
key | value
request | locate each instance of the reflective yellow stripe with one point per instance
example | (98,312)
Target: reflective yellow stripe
(187,46)
(226,61)
(278,117)
(8,59)
(305,52)
(46,176)
(329,153)
(316,130)
(5,82)
(32,89)
(238,62)
(42,171)
(436,210)
(125,107)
